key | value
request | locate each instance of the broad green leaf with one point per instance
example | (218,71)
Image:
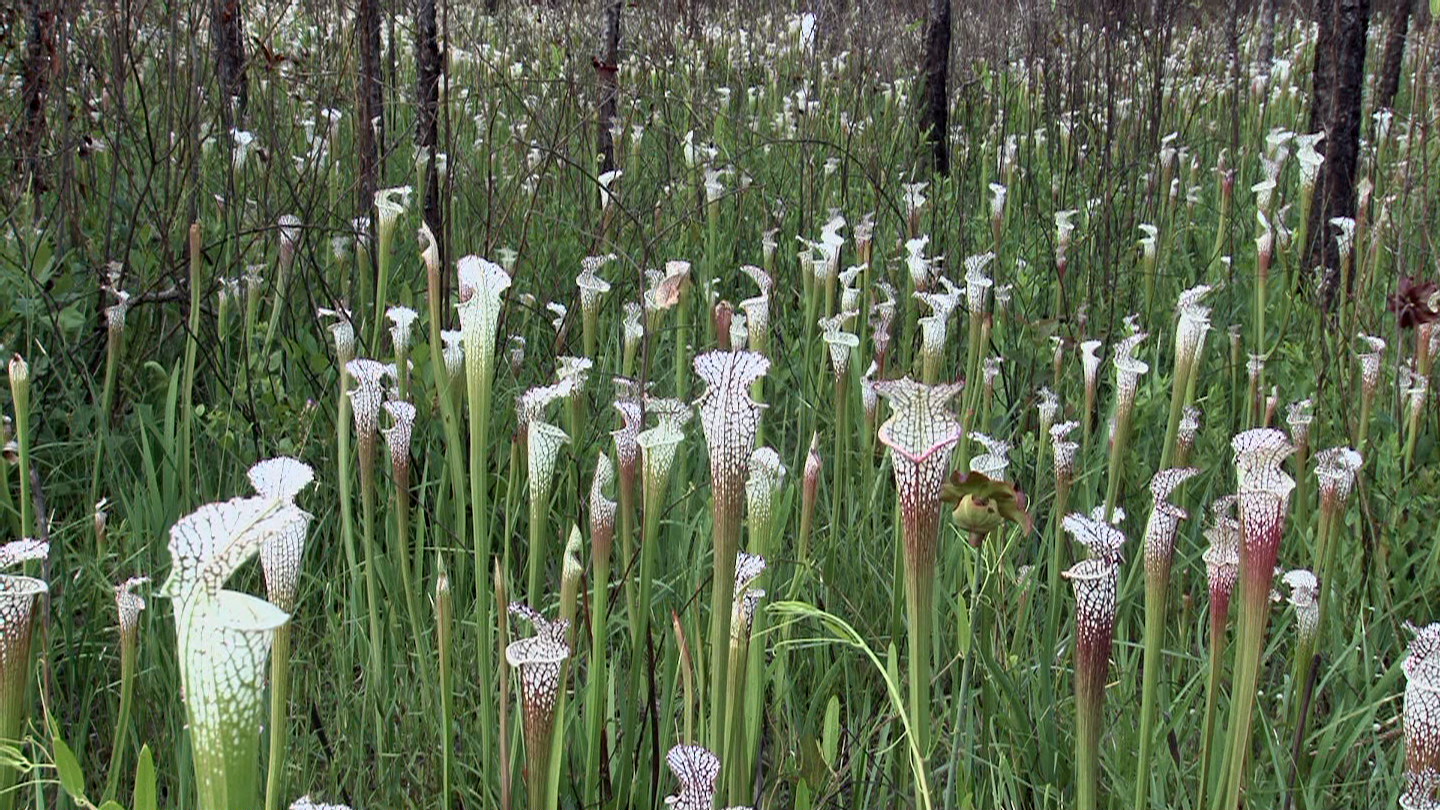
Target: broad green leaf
(144,797)
(830,739)
(72,779)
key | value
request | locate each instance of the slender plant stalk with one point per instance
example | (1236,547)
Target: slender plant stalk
(626,522)
(279,717)
(20,399)
(402,553)
(343,483)
(444,611)
(1156,591)
(963,708)
(382,283)
(595,700)
(128,642)
(722,595)
(537,556)
(919,606)
(192,344)
(114,346)
(478,395)
(1214,672)
(1254,616)
(371,562)
(837,467)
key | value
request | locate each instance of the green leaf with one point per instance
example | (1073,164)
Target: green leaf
(830,738)
(144,798)
(112,805)
(72,779)
(962,623)
(802,796)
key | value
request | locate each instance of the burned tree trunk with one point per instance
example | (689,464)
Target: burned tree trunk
(427,113)
(1267,34)
(370,129)
(228,30)
(1336,184)
(607,69)
(1394,57)
(43,20)
(1322,73)
(935,101)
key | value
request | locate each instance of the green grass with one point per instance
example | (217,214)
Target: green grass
(833,728)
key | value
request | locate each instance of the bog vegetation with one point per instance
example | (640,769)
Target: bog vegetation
(618,407)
